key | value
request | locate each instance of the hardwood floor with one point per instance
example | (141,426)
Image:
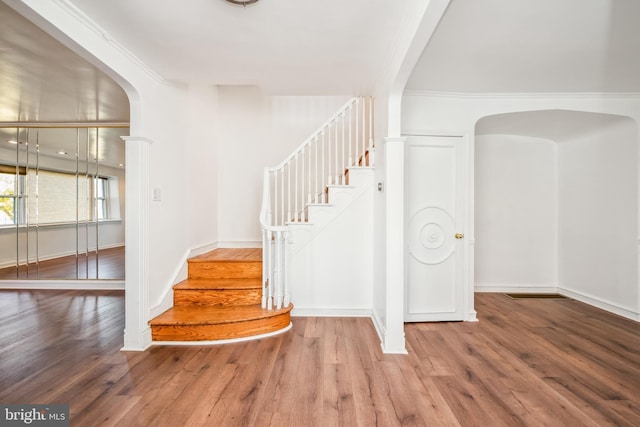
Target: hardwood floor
(527,362)
(110,267)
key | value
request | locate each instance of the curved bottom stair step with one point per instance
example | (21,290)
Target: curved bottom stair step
(218,323)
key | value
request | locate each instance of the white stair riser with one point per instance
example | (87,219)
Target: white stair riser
(340,198)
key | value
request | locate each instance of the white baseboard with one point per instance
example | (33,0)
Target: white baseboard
(330,312)
(240,244)
(202,249)
(87,285)
(595,301)
(525,288)
(139,342)
(378,325)
(603,304)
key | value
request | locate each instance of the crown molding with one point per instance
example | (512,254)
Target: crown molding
(524,95)
(84,20)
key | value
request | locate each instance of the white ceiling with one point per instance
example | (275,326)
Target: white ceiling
(288,47)
(525,46)
(328,47)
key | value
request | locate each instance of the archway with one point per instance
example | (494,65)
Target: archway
(83,37)
(556,205)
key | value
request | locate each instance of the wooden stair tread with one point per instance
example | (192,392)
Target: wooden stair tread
(218,284)
(220,300)
(230,255)
(194,315)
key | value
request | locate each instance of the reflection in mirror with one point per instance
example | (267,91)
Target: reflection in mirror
(62,203)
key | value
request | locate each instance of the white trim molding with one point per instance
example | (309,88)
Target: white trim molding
(532,95)
(84,20)
(601,303)
(239,244)
(515,288)
(331,312)
(393,338)
(137,333)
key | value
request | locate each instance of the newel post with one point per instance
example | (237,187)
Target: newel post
(137,333)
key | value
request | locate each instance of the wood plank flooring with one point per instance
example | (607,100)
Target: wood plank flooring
(527,362)
(110,267)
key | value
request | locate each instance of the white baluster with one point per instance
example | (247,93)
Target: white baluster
(282,212)
(329,158)
(276,216)
(350,134)
(364,136)
(279,283)
(309,181)
(302,198)
(272,269)
(342,166)
(337,150)
(289,193)
(317,176)
(357,126)
(265,268)
(370,122)
(322,193)
(285,262)
(295,194)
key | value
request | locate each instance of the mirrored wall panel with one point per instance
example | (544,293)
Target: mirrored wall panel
(62,203)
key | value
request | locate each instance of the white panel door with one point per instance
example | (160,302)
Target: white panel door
(435,235)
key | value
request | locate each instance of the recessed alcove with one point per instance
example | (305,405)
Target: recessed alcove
(556,204)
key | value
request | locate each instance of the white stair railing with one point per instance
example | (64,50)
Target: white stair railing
(302,179)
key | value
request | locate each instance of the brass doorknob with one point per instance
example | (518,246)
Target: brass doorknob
(459,236)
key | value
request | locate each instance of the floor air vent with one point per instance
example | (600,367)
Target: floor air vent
(536,296)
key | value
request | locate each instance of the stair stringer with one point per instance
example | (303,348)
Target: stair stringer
(321,215)
(331,261)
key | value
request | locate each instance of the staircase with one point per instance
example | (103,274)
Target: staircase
(244,293)
(220,300)
(308,189)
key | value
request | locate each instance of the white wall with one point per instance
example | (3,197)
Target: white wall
(380,219)
(598,199)
(332,273)
(169,225)
(256,131)
(516,212)
(202,165)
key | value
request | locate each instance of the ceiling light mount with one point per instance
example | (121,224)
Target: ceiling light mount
(243,3)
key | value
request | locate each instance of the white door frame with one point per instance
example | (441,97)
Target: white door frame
(467,215)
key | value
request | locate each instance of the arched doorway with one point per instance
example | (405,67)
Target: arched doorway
(556,205)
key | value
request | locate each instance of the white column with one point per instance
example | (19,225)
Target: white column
(395,250)
(137,333)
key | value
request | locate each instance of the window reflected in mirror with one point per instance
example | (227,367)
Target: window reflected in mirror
(62,203)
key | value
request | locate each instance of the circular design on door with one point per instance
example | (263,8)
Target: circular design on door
(431,235)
